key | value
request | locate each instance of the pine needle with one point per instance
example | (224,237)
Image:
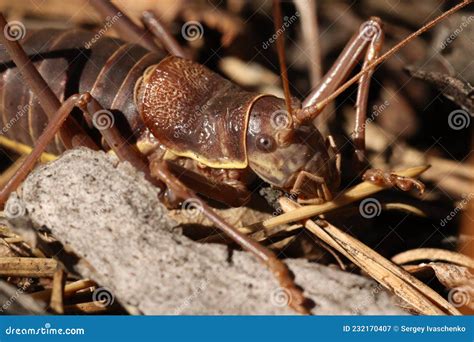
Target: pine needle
(433,254)
(420,296)
(355,193)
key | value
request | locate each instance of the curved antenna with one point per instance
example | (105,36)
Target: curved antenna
(280,41)
(313,110)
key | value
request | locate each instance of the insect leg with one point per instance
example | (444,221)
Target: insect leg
(367,41)
(323,194)
(159,30)
(390,179)
(71,133)
(216,185)
(45,138)
(265,255)
(366,45)
(126,28)
(310,111)
(122,148)
(372,53)
(159,170)
(370,34)
(58,112)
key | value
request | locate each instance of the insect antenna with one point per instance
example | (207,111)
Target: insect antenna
(283,135)
(280,41)
(312,111)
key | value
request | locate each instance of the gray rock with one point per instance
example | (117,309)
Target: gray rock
(111,217)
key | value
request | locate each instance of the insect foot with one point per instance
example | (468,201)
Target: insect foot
(293,295)
(390,179)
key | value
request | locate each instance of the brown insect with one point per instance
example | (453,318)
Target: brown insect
(187,120)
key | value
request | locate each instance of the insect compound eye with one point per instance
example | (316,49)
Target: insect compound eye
(266,143)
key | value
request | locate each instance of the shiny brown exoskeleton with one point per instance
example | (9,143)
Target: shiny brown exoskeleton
(200,132)
(178,110)
(230,134)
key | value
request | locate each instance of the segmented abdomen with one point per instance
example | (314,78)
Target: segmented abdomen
(72,61)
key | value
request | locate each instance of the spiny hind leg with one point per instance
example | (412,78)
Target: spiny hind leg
(280,270)
(159,170)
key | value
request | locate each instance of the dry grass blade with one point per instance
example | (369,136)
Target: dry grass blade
(397,279)
(402,283)
(57,293)
(385,206)
(28,267)
(433,254)
(69,289)
(24,149)
(355,193)
(87,308)
(13,240)
(262,234)
(404,207)
(282,243)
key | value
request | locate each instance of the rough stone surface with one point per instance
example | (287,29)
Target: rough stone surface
(111,217)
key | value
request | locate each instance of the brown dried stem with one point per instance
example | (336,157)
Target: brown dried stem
(391,276)
(28,267)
